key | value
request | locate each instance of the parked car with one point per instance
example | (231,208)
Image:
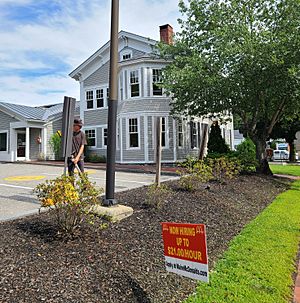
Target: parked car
(280,155)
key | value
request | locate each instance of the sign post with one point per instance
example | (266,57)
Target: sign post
(67,129)
(185,250)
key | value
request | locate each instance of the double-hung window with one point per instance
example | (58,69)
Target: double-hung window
(156,82)
(3,141)
(91,137)
(194,135)
(100,98)
(104,143)
(89,99)
(180,133)
(134,84)
(133,132)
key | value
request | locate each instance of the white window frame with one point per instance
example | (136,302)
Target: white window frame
(154,119)
(166,133)
(128,133)
(152,82)
(196,134)
(105,97)
(86,99)
(138,70)
(5,132)
(180,132)
(103,145)
(125,53)
(91,129)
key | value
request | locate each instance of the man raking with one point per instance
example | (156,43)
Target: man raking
(78,143)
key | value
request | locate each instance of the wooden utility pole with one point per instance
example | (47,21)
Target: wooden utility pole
(203,141)
(158,150)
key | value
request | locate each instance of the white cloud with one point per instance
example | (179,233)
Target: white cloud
(15,2)
(28,92)
(71,35)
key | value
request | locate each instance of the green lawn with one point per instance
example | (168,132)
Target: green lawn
(293,170)
(258,266)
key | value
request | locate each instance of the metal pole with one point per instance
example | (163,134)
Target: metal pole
(112,107)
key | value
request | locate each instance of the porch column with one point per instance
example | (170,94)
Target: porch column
(27,147)
(44,141)
(13,145)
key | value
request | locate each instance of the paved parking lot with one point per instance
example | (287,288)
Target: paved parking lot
(18,180)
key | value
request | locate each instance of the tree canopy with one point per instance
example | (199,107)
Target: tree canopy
(238,56)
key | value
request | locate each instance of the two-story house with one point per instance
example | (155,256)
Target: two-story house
(140,101)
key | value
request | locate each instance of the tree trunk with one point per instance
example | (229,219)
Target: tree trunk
(261,156)
(292,157)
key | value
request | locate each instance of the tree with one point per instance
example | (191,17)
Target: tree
(216,143)
(238,56)
(287,129)
(55,143)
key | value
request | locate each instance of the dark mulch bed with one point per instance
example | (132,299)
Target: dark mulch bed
(125,262)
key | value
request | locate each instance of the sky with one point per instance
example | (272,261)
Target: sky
(42,41)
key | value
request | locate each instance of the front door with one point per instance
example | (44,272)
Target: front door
(21,145)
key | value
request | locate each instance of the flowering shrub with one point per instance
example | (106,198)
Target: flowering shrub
(70,199)
(156,195)
(193,173)
(223,168)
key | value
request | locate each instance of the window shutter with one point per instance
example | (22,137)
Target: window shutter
(191,134)
(199,133)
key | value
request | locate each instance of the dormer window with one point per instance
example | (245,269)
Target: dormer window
(126,56)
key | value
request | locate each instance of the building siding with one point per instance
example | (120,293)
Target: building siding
(5,121)
(99,77)
(35,148)
(134,155)
(95,117)
(50,153)
(145,105)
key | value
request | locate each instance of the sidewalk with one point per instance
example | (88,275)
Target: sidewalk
(135,168)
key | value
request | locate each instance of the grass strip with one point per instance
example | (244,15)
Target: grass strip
(293,170)
(259,263)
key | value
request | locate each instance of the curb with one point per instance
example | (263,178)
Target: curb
(297,287)
(91,166)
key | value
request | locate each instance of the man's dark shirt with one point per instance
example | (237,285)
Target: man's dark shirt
(78,140)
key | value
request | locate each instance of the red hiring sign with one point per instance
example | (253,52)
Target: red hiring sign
(185,249)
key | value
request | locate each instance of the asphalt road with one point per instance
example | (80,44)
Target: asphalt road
(18,180)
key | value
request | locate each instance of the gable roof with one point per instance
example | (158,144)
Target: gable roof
(122,34)
(38,114)
(23,112)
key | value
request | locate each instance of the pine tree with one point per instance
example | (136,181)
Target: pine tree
(216,144)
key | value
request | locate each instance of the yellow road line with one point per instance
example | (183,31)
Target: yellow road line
(24,178)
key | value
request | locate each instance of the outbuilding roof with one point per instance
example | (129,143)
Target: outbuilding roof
(42,114)
(24,111)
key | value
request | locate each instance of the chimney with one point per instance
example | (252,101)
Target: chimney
(166,33)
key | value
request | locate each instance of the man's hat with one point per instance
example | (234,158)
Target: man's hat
(78,122)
